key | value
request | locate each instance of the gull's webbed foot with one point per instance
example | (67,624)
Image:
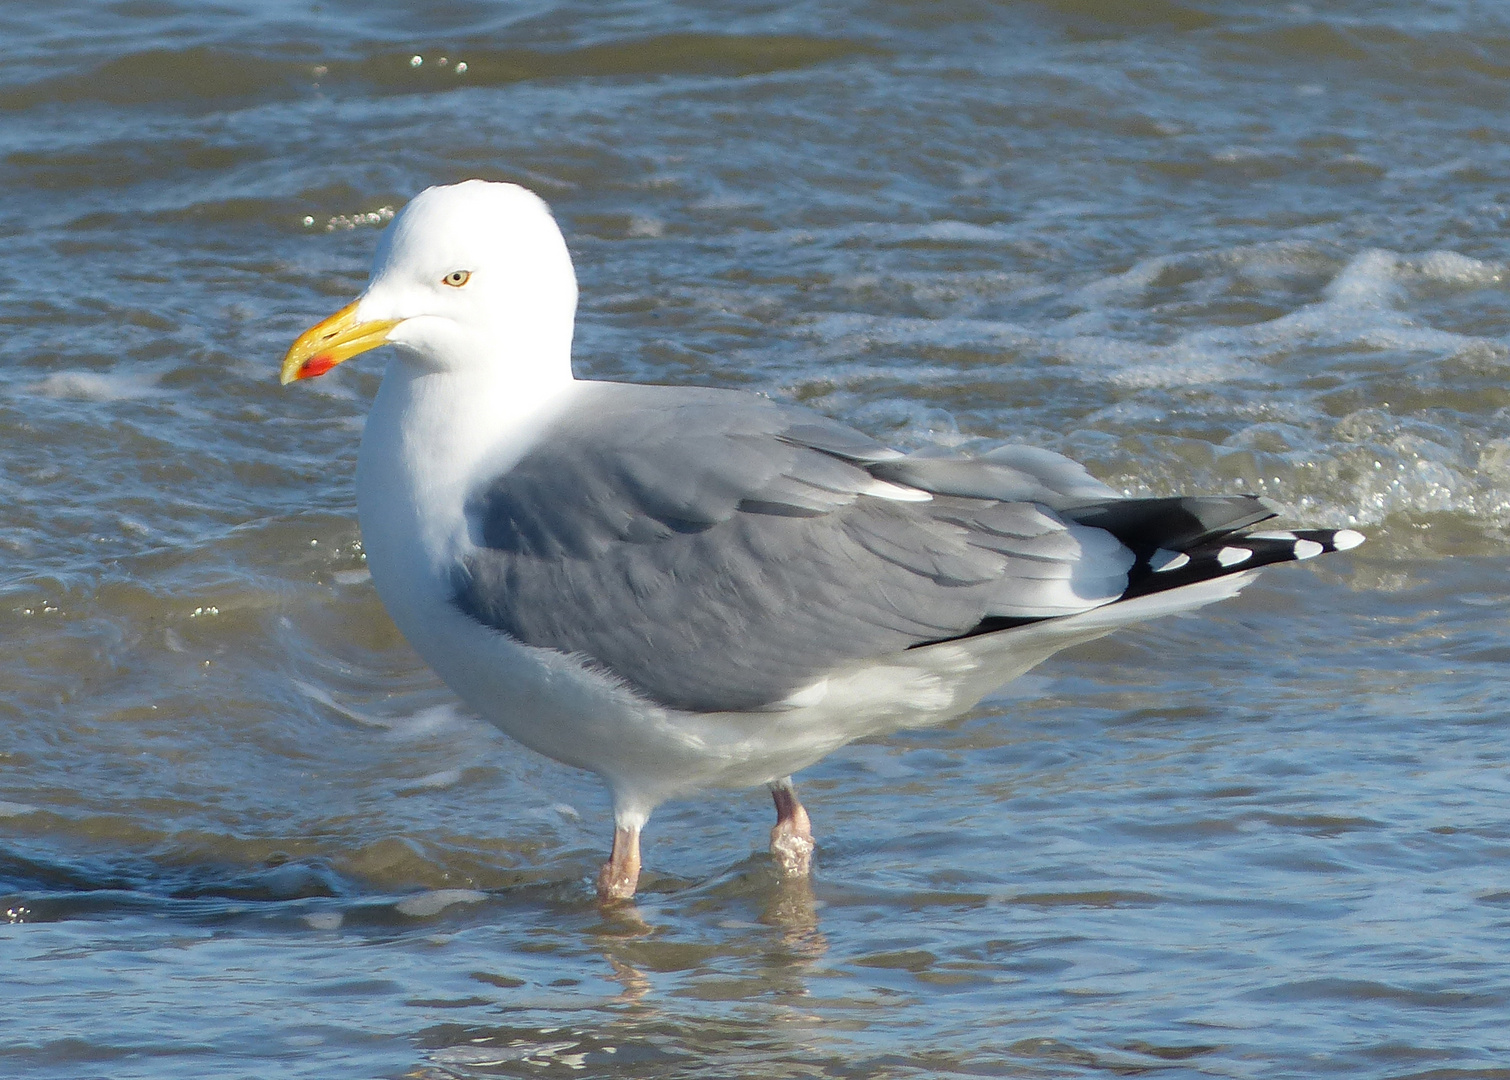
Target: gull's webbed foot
(792,837)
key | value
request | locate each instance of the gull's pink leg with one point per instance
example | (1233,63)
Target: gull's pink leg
(621,873)
(792,838)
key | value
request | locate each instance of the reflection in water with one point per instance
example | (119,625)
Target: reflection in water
(748,984)
(632,946)
(793,909)
(623,921)
(634,981)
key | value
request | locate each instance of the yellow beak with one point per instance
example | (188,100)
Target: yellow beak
(326,344)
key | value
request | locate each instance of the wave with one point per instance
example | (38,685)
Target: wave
(210,75)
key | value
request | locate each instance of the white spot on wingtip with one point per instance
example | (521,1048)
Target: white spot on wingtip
(1231,556)
(1162,560)
(1307,549)
(1346,539)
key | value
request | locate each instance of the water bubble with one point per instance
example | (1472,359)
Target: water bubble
(381,215)
(308,222)
(461,67)
(416,61)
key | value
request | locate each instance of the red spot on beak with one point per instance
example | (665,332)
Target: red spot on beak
(316,366)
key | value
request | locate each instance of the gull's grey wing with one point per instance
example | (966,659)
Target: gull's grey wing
(716,550)
(1006,474)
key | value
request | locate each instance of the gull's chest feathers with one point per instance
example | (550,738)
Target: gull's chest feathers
(431,441)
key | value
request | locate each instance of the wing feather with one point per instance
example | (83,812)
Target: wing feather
(715,550)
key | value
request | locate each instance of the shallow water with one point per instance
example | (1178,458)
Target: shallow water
(1198,245)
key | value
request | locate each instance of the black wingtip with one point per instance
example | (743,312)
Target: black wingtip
(1233,553)
(1173,524)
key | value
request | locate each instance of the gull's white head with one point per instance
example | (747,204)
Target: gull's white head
(470,274)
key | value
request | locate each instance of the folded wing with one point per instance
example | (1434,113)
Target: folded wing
(715,550)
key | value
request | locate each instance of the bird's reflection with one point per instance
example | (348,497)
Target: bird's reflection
(634,981)
(793,909)
(630,943)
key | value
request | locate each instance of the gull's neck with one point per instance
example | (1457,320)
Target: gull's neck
(433,439)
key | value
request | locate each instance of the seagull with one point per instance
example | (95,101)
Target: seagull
(689,588)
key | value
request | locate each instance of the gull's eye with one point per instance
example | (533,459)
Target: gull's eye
(457,278)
